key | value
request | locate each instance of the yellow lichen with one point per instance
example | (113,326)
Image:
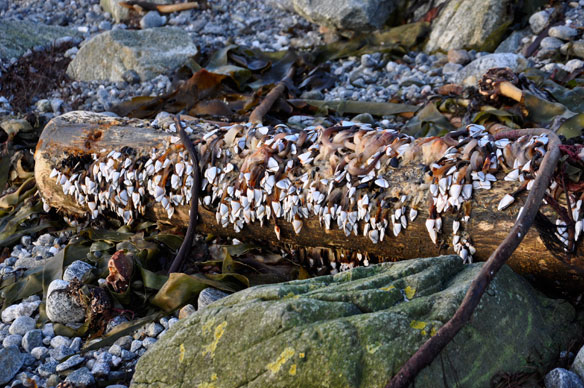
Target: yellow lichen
(181,355)
(206,385)
(275,366)
(301,355)
(372,348)
(410,292)
(206,328)
(433,332)
(418,325)
(292,370)
(390,287)
(210,349)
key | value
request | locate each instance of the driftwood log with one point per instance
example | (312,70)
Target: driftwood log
(76,142)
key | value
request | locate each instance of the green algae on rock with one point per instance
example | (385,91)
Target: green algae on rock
(356,328)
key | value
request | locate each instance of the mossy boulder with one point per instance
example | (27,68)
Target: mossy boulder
(18,36)
(356,328)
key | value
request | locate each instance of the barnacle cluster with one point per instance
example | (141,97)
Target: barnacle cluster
(342,175)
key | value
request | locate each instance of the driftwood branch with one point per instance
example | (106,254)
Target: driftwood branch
(431,348)
(194,208)
(72,143)
(257,115)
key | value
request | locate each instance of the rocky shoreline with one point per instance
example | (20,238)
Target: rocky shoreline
(111,56)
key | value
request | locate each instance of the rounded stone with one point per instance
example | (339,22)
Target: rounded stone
(81,378)
(539,20)
(22,325)
(32,339)
(563,32)
(550,43)
(61,307)
(152,20)
(562,378)
(78,270)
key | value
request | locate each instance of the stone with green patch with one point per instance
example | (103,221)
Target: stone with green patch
(356,329)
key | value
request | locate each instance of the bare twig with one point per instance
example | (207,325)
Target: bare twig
(260,111)
(429,350)
(194,210)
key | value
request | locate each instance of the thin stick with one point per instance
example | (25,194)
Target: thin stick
(194,210)
(264,107)
(431,348)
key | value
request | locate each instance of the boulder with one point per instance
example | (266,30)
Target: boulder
(470,24)
(150,52)
(472,73)
(347,14)
(356,329)
(18,36)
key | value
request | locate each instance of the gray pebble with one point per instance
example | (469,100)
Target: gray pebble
(208,296)
(71,362)
(153,329)
(136,344)
(48,330)
(539,20)
(115,350)
(32,339)
(39,352)
(148,342)
(81,378)
(124,342)
(76,344)
(60,341)
(79,270)
(48,368)
(19,310)
(61,352)
(451,68)
(573,65)
(550,43)
(172,321)
(562,378)
(563,32)
(152,20)
(12,340)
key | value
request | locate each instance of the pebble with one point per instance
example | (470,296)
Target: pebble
(12,340)
(78,270)
(70,363)
(563,32)
(562,378)
(39,352)
(551,43)
(539,20)
(460,57)
(152,19)
(186,310)
(208,296)
(24,309)
(22,325)
(81,378)
(32,339)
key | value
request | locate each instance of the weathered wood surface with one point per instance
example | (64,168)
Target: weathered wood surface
(86,134)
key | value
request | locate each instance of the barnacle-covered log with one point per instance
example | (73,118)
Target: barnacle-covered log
(367,194)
